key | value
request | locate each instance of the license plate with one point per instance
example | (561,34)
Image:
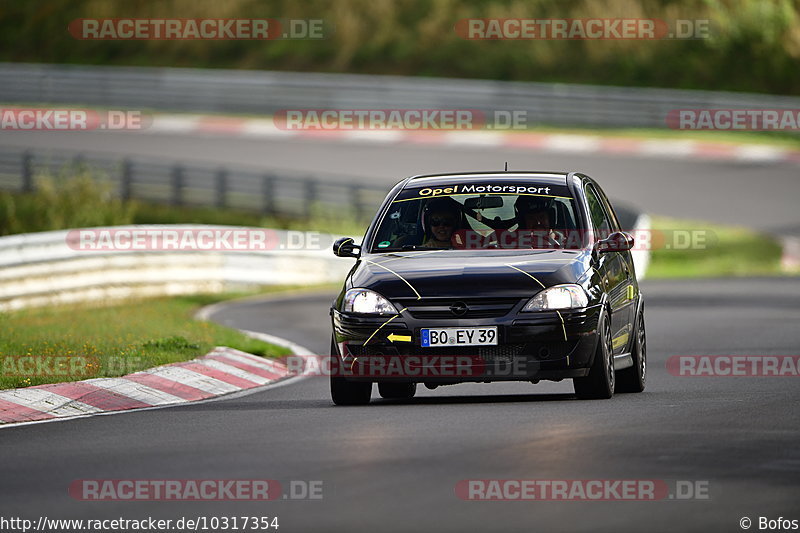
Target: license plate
(475,336)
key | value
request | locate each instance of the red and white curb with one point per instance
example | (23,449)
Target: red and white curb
(220,372)
(263,128)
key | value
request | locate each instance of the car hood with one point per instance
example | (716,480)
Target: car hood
(451,273)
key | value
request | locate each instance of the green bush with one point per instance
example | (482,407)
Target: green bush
(755,44)
(74,198)
(80,198)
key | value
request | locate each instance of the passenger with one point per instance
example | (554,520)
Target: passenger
(440,219)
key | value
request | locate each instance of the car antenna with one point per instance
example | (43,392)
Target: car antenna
(506,166)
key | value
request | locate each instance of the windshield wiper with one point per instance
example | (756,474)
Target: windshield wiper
(405,248)
(408,247)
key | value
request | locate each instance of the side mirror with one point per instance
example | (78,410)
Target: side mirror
(346,247)
(619,241)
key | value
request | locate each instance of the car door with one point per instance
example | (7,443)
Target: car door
(612,270)
(627,312)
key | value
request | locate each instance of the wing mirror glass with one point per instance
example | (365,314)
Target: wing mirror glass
(346,247)
(619,241)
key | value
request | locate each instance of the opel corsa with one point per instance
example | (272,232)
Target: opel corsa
(485,277)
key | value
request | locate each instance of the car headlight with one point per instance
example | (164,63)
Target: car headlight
(367,302)
(558,297)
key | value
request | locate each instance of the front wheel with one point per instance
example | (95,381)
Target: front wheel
(599,384)
(344,392)
(633,379)
(397,391)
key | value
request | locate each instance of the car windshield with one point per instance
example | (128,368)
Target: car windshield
(529,220)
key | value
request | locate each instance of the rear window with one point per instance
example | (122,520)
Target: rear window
(481,216)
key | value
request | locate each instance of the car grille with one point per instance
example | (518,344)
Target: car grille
(441,307)
(487,352)
(501,351)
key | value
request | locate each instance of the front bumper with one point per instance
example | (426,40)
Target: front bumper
(531,346)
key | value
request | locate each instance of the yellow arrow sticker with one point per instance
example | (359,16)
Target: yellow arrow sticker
(401,338)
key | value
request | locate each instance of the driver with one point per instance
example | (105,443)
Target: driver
(533,215)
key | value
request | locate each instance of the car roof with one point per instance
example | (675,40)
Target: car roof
(548,178)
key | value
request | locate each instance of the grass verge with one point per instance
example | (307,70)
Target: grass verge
(82,197)
(112,340)
(702,249)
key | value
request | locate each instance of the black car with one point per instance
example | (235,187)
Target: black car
(493,276)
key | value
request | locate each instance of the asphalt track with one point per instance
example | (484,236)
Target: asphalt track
(393,466)
(758,195)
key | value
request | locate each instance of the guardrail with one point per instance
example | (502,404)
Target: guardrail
(271,192)
(39,269)
(48,268)
(263,92)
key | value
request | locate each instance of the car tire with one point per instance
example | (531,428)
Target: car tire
(599,384)
(633,379)
(344,392)
(397,391)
